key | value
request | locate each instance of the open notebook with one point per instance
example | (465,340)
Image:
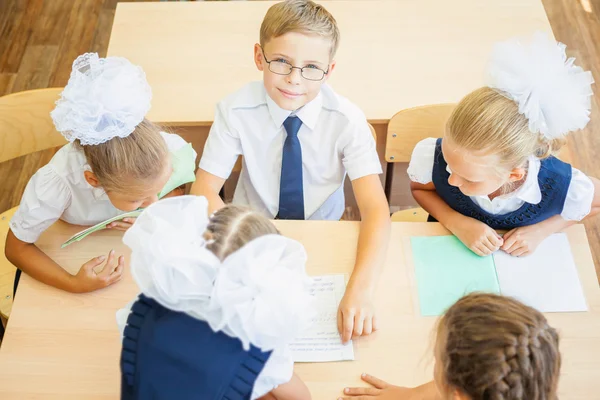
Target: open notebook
(446,270)
(184,164)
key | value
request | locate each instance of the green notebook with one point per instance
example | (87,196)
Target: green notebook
(184,164)
(446,270)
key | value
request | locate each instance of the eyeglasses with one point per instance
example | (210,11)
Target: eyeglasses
(280,67)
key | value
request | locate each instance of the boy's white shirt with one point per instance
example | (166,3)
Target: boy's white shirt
(334,136)
(578,203)
(59,190)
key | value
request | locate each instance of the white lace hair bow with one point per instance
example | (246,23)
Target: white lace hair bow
(104,98)
(551,91)
(259,294)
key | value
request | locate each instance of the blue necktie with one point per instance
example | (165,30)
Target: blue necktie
(291,192)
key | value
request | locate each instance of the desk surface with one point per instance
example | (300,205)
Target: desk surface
(393,54)
(64,346)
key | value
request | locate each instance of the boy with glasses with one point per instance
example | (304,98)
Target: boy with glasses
(298,139)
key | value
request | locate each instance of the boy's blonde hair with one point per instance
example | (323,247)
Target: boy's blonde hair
(129,164)
(493,347)
(489,122)
(231,227)
(304,16)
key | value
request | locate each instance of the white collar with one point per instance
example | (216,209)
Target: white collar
(529,191)
(309,113)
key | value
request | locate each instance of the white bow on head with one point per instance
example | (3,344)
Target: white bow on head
(258,294)
(104,98)
(551,91)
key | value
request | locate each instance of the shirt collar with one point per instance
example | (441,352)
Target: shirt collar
(309,114)
(530,190)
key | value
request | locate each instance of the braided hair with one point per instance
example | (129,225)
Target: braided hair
(231,227)
(496,348)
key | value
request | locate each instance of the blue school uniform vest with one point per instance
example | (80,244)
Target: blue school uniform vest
(170,355)
(554,179)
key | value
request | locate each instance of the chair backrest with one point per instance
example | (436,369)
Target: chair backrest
(25,123)
(408,127)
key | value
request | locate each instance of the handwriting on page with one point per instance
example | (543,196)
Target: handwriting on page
(321,342)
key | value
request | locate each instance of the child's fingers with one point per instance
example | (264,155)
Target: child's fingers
(347,325)
(375,323)
(475,250)
(521,251)
(357,391)
(378,383)
(119,225)
(509,239)
(480,250)
(495,239)
(489,245)
(511,244)
(93,263)
(368,326)
(108,267)
(359,320)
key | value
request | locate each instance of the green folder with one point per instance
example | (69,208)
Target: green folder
(184,165)
(446,270)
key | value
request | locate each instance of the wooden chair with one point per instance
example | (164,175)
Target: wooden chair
(25,127)
(405,130)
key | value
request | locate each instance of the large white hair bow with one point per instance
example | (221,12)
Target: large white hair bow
(551,91)
(259,294)
(104,98)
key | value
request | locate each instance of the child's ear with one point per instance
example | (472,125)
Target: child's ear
(91,178)
(330,71)
(517,174)
(259,60)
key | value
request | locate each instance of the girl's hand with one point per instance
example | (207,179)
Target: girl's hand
(523,241)
(88,280)
(477,236)
(356,314)
(380,389)
(121,225)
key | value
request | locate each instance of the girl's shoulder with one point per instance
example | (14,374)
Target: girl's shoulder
(69,163)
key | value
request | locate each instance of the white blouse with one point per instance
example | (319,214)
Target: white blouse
(59,190)
(578,202)
(278,369)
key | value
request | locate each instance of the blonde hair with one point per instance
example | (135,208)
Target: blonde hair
(496,348)
(231,227)
(129,163)
(487,121)
(304,16)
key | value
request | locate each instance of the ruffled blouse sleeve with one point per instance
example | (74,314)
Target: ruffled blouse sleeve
(45,199)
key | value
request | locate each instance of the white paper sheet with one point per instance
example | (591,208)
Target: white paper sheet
(546,280)
(322,342)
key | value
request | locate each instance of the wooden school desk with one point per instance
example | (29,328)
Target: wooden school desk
(67,347)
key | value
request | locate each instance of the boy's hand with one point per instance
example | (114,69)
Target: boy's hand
(356,315)
(523,241)
(88,280)
(381,390)
(477,236)
(121,225)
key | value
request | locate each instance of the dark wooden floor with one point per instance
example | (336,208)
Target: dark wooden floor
(40,39)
